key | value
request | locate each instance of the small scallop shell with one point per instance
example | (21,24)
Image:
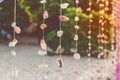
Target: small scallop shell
(76,18)
(60,33)
(58,49)
(77,1)
(64,5)
(17,30)
(76,27)
(60,62)
(76,37)
(43,26)
(63,18)
(45,15)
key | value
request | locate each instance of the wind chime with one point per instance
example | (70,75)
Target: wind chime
(89,31)
(101,34)
(43,46)
(62,18)
(76,55)
(12,44)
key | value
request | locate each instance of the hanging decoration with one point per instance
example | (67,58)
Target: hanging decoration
(76,55)
(43,46)
(89,31)
(101,29)
(12,44)
(62,18)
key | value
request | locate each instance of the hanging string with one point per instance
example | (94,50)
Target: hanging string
(89,31)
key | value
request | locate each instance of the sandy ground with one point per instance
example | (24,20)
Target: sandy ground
(26,62)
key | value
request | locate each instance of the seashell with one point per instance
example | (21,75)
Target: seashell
(58,49)
(42,66)
(43,45)
(45,15)
(41,52)
(76,18)
(77,1)
(63,18)
(76,37)
(60,33)
(59,77)
(76,27)
(60,62)
(64,5)
(43,1)
(11,44)
(43,26)
(17,30)
(76,56)
(13,24)
(14,73)
(88,54)
(13,53)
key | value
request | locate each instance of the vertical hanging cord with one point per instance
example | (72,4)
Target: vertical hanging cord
(60,39)
(14,21)
(76,29)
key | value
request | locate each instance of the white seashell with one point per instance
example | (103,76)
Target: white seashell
(76,56)
(11,44)
(13,53)
(42,66)
(60,33)
(76,27)
(64,5)
(59,78)
(45,15)
(43,1)
(13,24)
(14,73)
(76,18)
(43,45)
(41,52)
(58,49)
(60,62)
(76,37)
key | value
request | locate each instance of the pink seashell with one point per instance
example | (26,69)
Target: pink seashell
(60,62)
(17,30)
(63,18)
(43,45)
(58,49)
(76,56)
